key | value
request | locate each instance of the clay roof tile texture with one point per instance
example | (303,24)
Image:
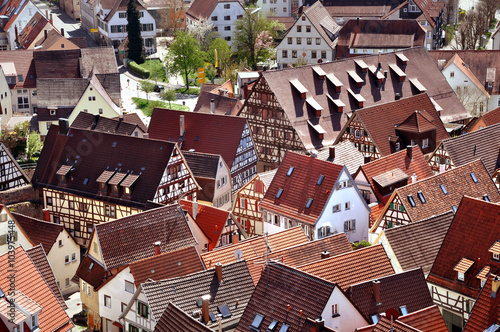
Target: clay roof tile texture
(88,121)
(39,231)
(426,320)
(174,319)
(486,309)
(493,116)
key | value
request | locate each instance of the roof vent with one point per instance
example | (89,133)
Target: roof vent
(325,254)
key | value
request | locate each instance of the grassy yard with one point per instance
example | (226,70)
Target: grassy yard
(190,91)
(148,107)
(153,65)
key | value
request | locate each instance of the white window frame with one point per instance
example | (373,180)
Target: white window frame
(107,301)
(129,283)
(425,143)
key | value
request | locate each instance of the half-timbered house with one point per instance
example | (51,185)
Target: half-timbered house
(246,202)
(408,121)
(228,136)
(435,195)
(469,253)
(86,177)
(11,174)
(305,108)
(457,151)
(318,195)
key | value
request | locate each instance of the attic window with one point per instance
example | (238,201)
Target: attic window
(443,189)
(362,65)
(309,202)
(257,321)
(374,318)
(486,198)
(473,176)
(411,200)
(335,81)
(273,325)
(403,310)
(404,60)
(339,105)
(320,180)
(421,197)
(85,181)
(359,98)
(224,310)
(355,77)
(401,74)
(91,266)
(284,327)
(321,74)
(280,192)
(290,171)
(299,88)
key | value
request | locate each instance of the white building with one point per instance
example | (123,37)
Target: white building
(222,14)
(312,38)
(278,8)
(14,15)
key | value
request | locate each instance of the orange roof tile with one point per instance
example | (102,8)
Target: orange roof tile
(426,320)
(255,246)
(31,283)
(486,309)
(492,117)
(4,311)
(352,268)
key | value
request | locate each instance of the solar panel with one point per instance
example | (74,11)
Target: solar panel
(224,310)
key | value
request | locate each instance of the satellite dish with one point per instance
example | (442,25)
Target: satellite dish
(392,312)
(238,254)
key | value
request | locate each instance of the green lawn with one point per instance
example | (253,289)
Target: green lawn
(190,91)
(153,65)
(148,107)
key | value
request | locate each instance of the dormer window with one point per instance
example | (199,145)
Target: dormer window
(34,322)
(495,250)
(403,310)
(126,191)
(461,276)
(462,268)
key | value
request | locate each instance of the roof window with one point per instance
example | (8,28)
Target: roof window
(421,197)
(273,325)
(280,192)
(443,188)
(257,321)
(411,200)
(473,176)
(403,310)
(284,327)
(224,310)
(309,202)
(486,198)
(91,266)
(290,171)
(212,317)
(454,208)
(320,180)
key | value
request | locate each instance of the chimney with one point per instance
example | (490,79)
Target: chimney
(181,125)
(274,164)
(332,152)
(218,271)
(409,152)
(245,90)
(47,14)
(495,284)
(319,324)
(325,254)
(45,33)
(205,311)
(157,245)
(16,33)
(357,21)
(413,178)
(46,215)
(63,126)
(212,106)
(50,20)
(195,210)
(62,32)
(376,291)
(397,96)
(367,159)
(235,238)
(96,118)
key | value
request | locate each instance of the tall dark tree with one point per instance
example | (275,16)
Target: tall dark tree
(135,42)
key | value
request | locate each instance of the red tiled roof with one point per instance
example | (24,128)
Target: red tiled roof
(30,282)
(24,64)
(119,239)
(255,246)
(57,63)
(135,119)
(479,220)
(385,324)
(394,293)
(379,128)
(90,121)
(12,9)
(208,133)
(39,258)
(167,265)
(91,271)
(174,319)
(39,231)
(417,165)
(486,309)
(493,116)
(425,320)
(201,9)
(300,187)
(223,105)
(31,31)
(352,268)
(376,210)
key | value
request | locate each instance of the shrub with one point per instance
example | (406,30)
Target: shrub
(135,68)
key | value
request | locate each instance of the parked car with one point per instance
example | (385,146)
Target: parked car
(80,318)
(158,88)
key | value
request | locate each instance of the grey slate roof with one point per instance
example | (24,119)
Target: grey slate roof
(60,92)
(345,154)
(174,320)
(202,164)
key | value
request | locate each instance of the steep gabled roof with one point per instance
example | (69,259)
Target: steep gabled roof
(353,267)
(223,105)
(33,29)
(235,292)
(53,37)
(91,271)
(177,263)
(174,319)
(355,8)
(133,118)
(12,9)
(492,117)
(89,121)
(417,244)
(379,128)
(460,64)
(345,153)
(99,60)
(394,293)
(477,144)
(281,287)
(399,160)
(256,246)
(479,220)
(138,156)
(426,320)
(430,10)
(203,165)
(385,324)
(119,239)
(208,133)
(298,188)
(39,258)
(323,23)
(486,309)
(31,284)
(39,231)
(60,92)
(201,9)
(121,5)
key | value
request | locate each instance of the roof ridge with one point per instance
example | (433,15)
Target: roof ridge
(475,132)
(395,274)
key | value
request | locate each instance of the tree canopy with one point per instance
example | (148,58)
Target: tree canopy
(135,41)
(224,53)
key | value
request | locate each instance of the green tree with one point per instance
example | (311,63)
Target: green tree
(33,145)
(184,55)
(147,87)
(210,72)
(253,37)
(224,53)
(169,95)
(135,41)
(22,129)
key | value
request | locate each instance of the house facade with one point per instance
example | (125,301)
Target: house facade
(5,100)
(16,14)
(11,174)
(312,39)
(279,8)
(11,232)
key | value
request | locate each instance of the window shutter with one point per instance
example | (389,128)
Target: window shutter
(327,230)
(138,308)
(129,327)
(346,228)
(353,224)
(147,312)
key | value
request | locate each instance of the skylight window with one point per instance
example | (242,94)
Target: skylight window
(224,310)
(257,321)
(486,198)
(443,188)
(454,208)
(284,327)
(309,202)
(411,200)
(421,197)
(280,192)
(212,317)
(473,176)
(320,180)
(91,266)
(403,310)
(290,171)
(374,318)
(85,181)
(273,325)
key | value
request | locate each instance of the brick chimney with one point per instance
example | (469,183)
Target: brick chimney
(376,291)
(205,311)
(495,285)
(319,324)
(414,178)
(245,90)
(212,106)
(62,32)
(50,20)
(46,215)
(332,152)
(195,210)
(218,271)
(235,238)
(181,125)
(325,254)
(409,152)
(157,245)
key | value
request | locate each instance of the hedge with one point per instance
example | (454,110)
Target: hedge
(134,67)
